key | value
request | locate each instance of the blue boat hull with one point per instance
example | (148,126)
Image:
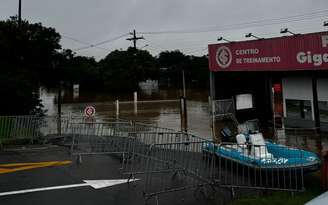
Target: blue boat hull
(282,157)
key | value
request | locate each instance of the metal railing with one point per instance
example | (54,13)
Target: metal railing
(172,161)
(140,144)
(30,127)
(109,137)
(178,166)
(169,161)
(34,128)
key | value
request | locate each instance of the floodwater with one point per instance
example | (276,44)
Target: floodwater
(160,112)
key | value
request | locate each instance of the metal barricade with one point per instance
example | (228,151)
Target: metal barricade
(108,138)
(254,167)
(178,166)
(34,127)
(19,127)
(100,138)
(143,127)
(139,145)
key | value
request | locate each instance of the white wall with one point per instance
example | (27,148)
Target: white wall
(297,88)
(322,89)
(300,88)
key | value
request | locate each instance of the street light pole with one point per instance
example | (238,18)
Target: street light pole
(19,12)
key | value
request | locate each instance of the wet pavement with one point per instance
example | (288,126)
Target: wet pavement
(95,167)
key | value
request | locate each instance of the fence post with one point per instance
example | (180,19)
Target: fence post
(135,102)
(59,109)
(209,104)
(117,109)
(183,114)
(213,119)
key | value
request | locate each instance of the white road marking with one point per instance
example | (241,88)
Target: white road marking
(96,184)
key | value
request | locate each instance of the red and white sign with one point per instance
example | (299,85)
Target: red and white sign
(89,111)
(298,52)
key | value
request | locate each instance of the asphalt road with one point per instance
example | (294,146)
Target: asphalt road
(92,168)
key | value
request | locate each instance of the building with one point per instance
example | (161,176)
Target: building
(285,77)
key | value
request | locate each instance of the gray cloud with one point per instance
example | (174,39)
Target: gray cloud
(98,20)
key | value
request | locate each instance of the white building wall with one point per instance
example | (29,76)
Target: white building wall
(300,88)
(322,89)
(297,88)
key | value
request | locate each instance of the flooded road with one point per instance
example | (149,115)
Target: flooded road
(163,114)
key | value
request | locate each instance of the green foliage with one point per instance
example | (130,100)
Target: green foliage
(122,70)
(195,69)
(81,70)
(311,182)
(25,53)
(171,59)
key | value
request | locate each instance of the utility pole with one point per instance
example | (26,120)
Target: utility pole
(19,12)
(315,103)
(134,39)
(184,83)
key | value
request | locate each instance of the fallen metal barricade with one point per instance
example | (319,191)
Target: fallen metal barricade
(96,138)
(139,145)
(255,169)
(171,161)
(106,138)
(200,164)
(179,166)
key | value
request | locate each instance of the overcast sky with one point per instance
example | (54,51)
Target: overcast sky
(187,25)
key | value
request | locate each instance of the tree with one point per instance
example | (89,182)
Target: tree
(171,59)
(172,64)
(26,55)
(122,70)
(80,69)
(197,71)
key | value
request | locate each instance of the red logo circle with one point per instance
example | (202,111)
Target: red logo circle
(89,111)
(223,57)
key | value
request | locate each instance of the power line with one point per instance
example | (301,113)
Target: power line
(96,45)
(155,45)
(76,40)
(258,23)
(195,51)
(84,43)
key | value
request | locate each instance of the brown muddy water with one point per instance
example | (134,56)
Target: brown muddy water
(162,113)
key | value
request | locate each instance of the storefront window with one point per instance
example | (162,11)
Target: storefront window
(244,101)
(299,109)
(323,109)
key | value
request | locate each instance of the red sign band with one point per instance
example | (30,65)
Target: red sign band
(298,52)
